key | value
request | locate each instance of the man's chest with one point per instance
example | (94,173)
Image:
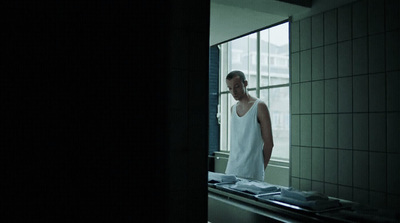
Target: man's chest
(241,110)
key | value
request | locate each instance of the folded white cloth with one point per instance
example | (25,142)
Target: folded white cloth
(255,187)
(221,178)
(317,205)
(303,195)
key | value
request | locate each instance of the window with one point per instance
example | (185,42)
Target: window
(264,58)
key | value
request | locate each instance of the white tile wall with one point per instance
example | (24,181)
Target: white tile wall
(346,102)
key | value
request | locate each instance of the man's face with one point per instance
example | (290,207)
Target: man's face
(236,87)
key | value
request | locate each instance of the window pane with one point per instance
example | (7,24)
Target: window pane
(264,58)
(252,70)
(279,54)
(279,112)
(243,57)
(223,66)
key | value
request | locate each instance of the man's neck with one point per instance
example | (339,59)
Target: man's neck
(246,99)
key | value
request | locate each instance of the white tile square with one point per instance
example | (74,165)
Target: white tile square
(377,171)
(305,130)
(392,91)
(360,56)
(317,29)
(377,90)
(345,62)
(305,65)
(377,132)
(360,131)
(344,23)
(393,176)
(392,50)
(376,50)
(376,16)
(360,19)
(345,134)
(331,130)
(360,169)
(305,98)
(360,93)
(317,171)
(295,36)
(393,132)
(317,101)
(331,166)
(345,167)
(345,100)
(330,61)
(295,161)
(330,27)
(331,96)
(305,34)
(317,131)
(317,65)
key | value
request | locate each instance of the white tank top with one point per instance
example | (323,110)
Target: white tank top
(246,145)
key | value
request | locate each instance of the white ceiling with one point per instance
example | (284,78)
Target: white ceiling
(233,18)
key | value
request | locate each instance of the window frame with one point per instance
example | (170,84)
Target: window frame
(224,55)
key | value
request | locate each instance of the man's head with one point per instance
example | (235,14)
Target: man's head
(237,83)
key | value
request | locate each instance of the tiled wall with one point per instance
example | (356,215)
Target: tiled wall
(345,109)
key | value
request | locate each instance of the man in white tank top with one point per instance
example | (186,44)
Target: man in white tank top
(251,140)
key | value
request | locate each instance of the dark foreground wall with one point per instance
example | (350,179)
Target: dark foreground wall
(90,104)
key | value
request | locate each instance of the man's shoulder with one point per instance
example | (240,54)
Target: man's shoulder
(262,106)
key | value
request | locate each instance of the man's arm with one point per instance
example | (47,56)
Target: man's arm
(266,131)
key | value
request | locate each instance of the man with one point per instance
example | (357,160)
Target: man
(251,139)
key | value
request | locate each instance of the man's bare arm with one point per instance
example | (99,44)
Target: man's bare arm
(266,131)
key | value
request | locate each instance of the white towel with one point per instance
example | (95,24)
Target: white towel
(303,195)
(255,187)
(317,205)
(221,178)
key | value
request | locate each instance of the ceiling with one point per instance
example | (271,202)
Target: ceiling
(230,19)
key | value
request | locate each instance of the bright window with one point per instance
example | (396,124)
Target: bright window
(264,58)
